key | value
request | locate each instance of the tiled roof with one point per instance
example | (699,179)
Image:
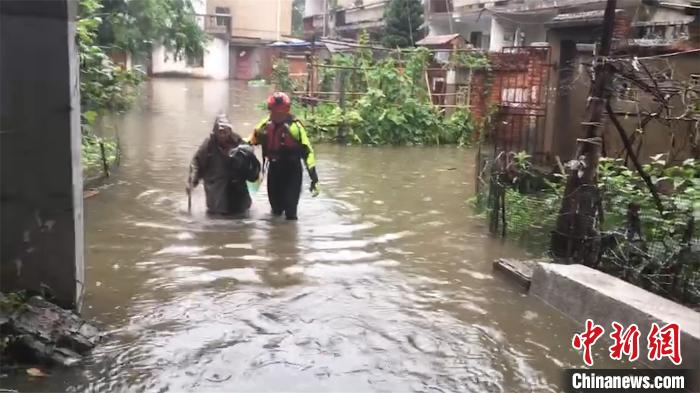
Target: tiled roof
(437,39)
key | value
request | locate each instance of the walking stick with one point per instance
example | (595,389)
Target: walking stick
(189,201)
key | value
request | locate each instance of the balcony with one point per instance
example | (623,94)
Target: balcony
(218,25)
(443,8)
(358,15)
(313,25)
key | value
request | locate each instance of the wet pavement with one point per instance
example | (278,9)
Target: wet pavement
(384,284)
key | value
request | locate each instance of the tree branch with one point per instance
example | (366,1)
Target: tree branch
(633,156)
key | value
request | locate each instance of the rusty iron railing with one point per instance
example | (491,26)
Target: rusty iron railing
(522,79)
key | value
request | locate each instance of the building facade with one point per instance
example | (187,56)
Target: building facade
(344,19)
(543,102)
(471,19)
(239,32)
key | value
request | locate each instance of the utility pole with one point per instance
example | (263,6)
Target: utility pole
(576,237)
(325,17)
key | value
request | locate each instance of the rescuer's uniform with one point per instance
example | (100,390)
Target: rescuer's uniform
(285,144)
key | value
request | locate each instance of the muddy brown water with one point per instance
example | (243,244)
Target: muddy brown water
(384,284)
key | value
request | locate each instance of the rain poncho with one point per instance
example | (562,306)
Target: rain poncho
(225,170)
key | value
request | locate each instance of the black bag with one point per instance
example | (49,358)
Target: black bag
(244,164)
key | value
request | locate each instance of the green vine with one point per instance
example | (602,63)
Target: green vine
(393,109)
(473,60)
(280,76)
(658,253)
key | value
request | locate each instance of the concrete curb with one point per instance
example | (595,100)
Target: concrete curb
(581,293)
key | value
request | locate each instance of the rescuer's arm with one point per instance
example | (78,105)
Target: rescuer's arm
(309,158)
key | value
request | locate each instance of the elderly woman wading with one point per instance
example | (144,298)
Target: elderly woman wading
(225,165)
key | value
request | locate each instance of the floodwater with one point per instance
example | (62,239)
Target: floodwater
(384,284)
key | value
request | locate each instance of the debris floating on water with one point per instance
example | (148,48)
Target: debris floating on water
(35,372)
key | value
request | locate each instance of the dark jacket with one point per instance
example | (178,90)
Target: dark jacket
(224,174)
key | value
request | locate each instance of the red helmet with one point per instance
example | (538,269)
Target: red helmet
(279,101)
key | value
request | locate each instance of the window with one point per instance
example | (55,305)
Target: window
(442,57)
(441,6)
(463,95)
(475,38)
(195,60)
(222,20)
(340,18)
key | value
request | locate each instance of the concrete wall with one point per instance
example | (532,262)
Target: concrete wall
(371,11)
(122,58)
(249,62)
(569,89)
(658,137)
(216,62)
(503,34)
(264,19)
(464,28)
(365,3)
(580,293)
(313,7)
(498,35)
(42,203)
(199,7)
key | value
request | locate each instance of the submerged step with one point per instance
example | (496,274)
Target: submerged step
(520,271)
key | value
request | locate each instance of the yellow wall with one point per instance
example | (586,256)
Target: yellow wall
(257,18)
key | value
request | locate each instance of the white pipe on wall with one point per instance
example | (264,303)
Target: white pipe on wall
(279,11)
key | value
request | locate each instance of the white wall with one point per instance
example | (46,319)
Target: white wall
(351,3)
(465,27)
(366,14)
(216,62)
(199,6)
(216,59)
(313,7)
(528,33)
(497,36)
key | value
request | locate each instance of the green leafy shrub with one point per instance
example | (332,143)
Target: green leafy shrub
(661,253)
(131,26)
(394,108)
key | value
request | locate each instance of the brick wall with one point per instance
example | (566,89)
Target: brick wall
(623,26)
(512,71)
(517,83)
